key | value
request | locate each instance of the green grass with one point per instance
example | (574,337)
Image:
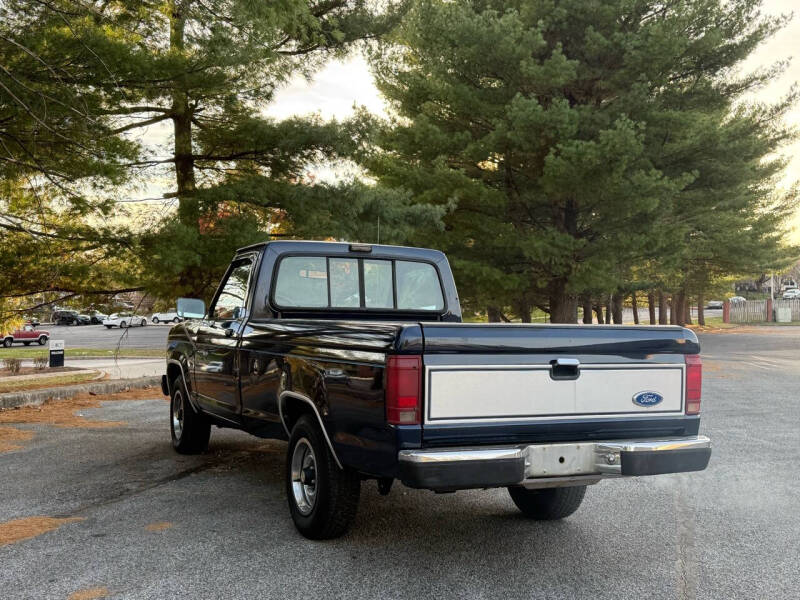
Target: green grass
(83,352)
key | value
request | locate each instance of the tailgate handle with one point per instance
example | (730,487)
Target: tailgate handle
(565,369)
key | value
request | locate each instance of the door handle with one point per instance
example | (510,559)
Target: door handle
(337,375)
(565,369)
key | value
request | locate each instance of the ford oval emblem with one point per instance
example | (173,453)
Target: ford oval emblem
(647,399)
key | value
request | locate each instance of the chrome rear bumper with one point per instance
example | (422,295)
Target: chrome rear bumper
(550,465)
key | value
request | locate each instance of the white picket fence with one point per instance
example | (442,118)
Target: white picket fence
(755,311)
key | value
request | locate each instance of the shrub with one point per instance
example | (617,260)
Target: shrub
(40,362)
(12,364)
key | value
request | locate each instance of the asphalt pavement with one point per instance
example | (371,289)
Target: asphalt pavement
(97,336)
(159,525)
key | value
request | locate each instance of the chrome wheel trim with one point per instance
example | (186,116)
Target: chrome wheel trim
(177,415)
(304,476)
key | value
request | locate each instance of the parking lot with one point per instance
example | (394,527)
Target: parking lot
(144,522)
(97,336)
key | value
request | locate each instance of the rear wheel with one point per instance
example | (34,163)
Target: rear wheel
(548,504)
(323,499)
(176,320)
(143,323)
(7,342)
(190,430)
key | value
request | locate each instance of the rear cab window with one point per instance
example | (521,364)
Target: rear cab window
(343,282)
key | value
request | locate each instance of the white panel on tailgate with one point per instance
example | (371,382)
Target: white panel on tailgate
(464,393)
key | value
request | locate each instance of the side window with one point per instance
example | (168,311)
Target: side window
(233,297)
(378,286)
(418,286)
(302,281)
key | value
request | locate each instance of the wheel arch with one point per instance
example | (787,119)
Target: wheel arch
(292,406)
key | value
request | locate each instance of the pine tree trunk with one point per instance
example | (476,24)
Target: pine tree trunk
(662,308)
(679,303)
(687,311)
(635,308)
(523,310)
(651,307)
(673,316)
(493,313)
(587,310)
(701,317)
(181,112)
(563,307)
(616,307)
(598,309)
(609,301)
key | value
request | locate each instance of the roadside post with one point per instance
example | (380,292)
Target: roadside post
(56,353)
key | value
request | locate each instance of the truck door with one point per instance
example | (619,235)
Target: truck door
(216,367)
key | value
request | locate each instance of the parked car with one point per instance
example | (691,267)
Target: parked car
(96,317)
(27,335)
(84,319)
(66,317)
(32,319)
(166,317)
(712,304)
(737,299)
(791,294)
(356,354)
(123,320)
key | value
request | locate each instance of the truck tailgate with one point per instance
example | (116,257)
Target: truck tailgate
(497,373)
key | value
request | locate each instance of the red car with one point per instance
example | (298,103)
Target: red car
(27,335)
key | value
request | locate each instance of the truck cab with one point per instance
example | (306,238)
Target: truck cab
(357,355)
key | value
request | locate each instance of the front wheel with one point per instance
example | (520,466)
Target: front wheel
(190,430)
(42,340)
(123,325)
(155,320)
(176,320)
(548,504)
(323,499)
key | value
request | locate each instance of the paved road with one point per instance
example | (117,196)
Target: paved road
(97,336)
(222,528)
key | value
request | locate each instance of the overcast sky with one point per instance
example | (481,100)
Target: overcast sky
(342,84)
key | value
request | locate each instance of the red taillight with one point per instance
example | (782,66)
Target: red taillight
(694,382)
(403,376)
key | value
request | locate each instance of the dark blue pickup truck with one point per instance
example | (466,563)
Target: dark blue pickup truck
(356,354)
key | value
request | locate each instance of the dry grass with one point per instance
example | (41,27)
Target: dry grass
(37,383)
(90,593)
(26,528)
(161,526)
(10,436)
(61,413)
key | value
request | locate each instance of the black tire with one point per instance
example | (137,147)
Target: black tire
(7,342)
(123,325)
(155,320)
(42,340)
(176,320)
(143,323)
(191,437)
(335,491)
(548,504)
(74,322)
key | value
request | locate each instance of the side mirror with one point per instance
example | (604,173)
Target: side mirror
(191,308)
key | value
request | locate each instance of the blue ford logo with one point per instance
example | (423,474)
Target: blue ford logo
(647,398)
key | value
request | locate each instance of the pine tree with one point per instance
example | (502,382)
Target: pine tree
(578,139)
